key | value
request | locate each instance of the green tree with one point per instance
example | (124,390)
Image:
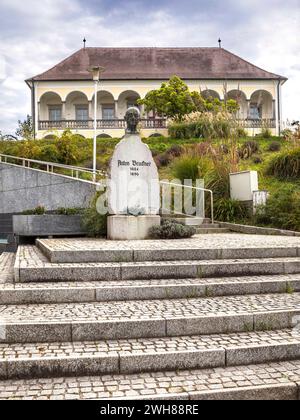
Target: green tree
(232,106)
(68,153)
(25,129)
(172,100)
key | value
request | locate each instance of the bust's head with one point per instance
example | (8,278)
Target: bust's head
(132,117)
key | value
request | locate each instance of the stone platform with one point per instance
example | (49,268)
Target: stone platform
(204,318)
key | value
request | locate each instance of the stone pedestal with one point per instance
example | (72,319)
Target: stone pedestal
(121,228)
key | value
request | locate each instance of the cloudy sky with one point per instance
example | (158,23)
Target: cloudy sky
(35,35)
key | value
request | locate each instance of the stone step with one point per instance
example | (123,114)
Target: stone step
(191,221)
(200,230)
(148,318)
(32,266)
(198,248)
(105,291)
(272,381)
(7,260)
(146,355)
(207,226)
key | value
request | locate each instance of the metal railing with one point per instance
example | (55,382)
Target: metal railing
(258,123)
(69,171)
(171,184)
(101,124)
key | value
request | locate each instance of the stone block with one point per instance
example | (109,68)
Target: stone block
(180,360)
(266,392)
(64,366)
(209,325)
(262,354)
(89,331)
(32,333)
(130,227)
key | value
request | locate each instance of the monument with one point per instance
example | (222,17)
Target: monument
(134,190)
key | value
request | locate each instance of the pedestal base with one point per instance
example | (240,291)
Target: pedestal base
(122,228)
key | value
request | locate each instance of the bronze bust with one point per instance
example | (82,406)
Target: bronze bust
(132,118)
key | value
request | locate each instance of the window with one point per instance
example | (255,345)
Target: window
(55,113)
(82,113)
(108,112)
(255,112)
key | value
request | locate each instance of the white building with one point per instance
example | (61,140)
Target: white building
(63,97)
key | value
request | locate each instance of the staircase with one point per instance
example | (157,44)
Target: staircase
(203,225)
(210,317)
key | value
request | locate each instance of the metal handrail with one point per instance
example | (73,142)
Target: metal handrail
(50,166)
(197,189)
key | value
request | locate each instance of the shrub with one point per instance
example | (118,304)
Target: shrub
(282,210)
(94,223)
(186,167)
(171,229)
(257,159)
(275,146)
(203,125)
(241,132)
(287,134)
(68,211)
(248,149)
(266,133)
(49,153)
(286,165)
(228,210)
(38,211)
(163,160)
(67,148)
(176,150)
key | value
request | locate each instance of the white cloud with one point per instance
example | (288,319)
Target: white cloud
(36,35)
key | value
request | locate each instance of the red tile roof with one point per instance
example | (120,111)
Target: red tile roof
(156,63)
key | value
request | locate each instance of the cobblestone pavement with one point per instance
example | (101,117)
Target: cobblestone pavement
(150,310)
(223,240)
(147,345)
(185,384)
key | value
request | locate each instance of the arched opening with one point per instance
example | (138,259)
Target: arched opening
(106,107)
(104,136)
(241,98)
(77,107)
(50,107)
(126,100)
(50,137)
(261,105)
(210,94)
(154,135)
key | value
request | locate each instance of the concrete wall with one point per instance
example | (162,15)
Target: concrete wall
(23,189)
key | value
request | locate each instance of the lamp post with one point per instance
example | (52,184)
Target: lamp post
(96,72)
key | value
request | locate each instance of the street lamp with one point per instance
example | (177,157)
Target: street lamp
(96,72)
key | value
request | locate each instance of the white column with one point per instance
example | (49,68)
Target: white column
(280,108)
(95,132)
(90,110)
(36,110)
(116,110)
(63,111)
(276,110)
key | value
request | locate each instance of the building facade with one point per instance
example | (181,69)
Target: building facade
(63,97)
